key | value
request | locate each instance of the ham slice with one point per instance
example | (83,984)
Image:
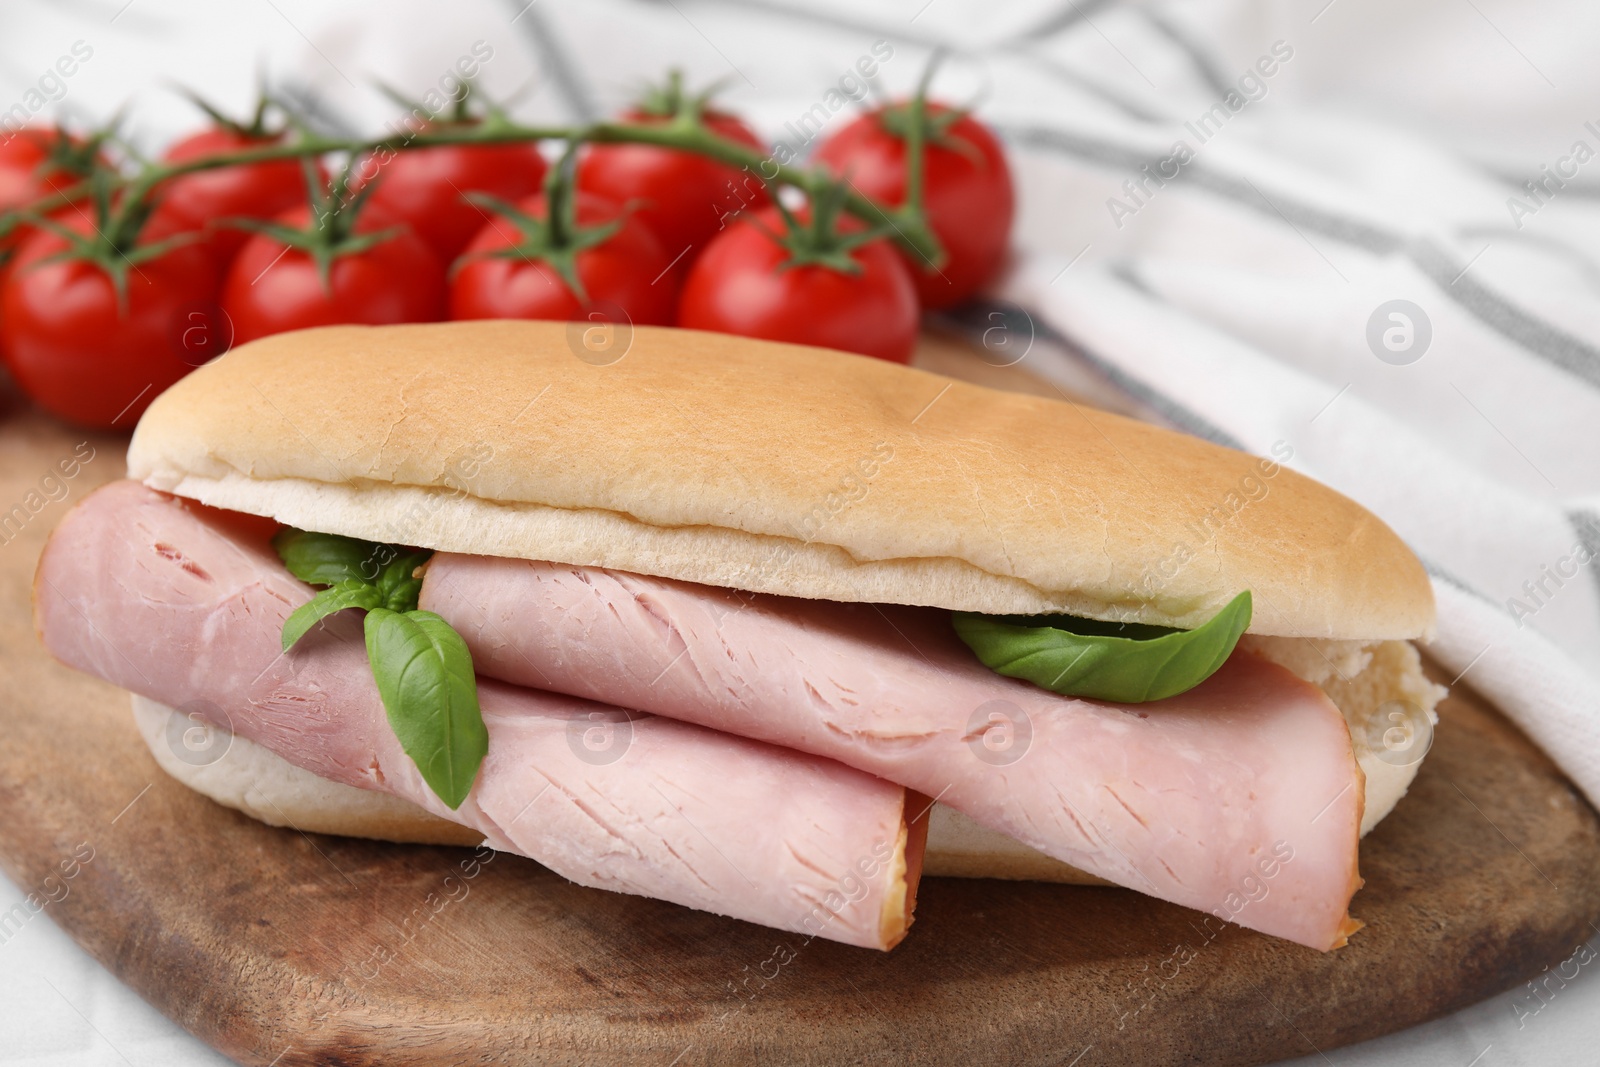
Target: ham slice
(184,606)
(1241,797)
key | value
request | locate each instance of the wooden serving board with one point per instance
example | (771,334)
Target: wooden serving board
(283,948)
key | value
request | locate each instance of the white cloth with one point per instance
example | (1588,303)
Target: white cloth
(1376,162)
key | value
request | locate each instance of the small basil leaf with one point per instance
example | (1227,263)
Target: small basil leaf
(424,675)
(347,594)
(1129,664)
(399,589)
(327,559)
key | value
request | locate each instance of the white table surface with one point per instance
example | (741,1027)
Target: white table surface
(58,1007)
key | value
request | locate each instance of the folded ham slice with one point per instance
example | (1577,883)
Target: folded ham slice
(184,606)
(1241,797)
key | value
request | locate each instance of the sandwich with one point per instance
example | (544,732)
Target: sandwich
(759,629)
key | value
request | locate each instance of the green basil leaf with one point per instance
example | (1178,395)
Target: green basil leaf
(422,667)
(352,593)
(328,559)
(424,675)
(1127,663)
(395,582)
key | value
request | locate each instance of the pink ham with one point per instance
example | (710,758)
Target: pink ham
(178,603)
(1241,797)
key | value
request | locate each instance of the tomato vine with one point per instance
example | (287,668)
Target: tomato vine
(906,225)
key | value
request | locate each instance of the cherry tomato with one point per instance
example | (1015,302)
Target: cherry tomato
(967,192)
(81,357)
(424,187)
(271,288)
(684,198)
(741,284)
(27,174)
(24,172)
(198,201)
(628,269)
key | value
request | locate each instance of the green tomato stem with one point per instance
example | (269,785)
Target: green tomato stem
(908,226)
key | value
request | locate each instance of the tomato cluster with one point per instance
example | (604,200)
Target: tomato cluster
(93,328)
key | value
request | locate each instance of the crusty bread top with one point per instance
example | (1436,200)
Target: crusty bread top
(769,467)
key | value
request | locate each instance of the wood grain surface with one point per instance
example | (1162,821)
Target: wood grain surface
(285,948)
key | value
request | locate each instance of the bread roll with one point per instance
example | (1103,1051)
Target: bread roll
(778,469)
(772,468)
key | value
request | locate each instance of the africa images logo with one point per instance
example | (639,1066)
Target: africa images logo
(1399,332)
(1250,87)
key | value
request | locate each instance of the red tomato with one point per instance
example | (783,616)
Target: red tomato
(197,201)
(629,270)
(424,187)
(684,198)
(76,354)
(26,174)
(967,194)
(270,288)
(740,285)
